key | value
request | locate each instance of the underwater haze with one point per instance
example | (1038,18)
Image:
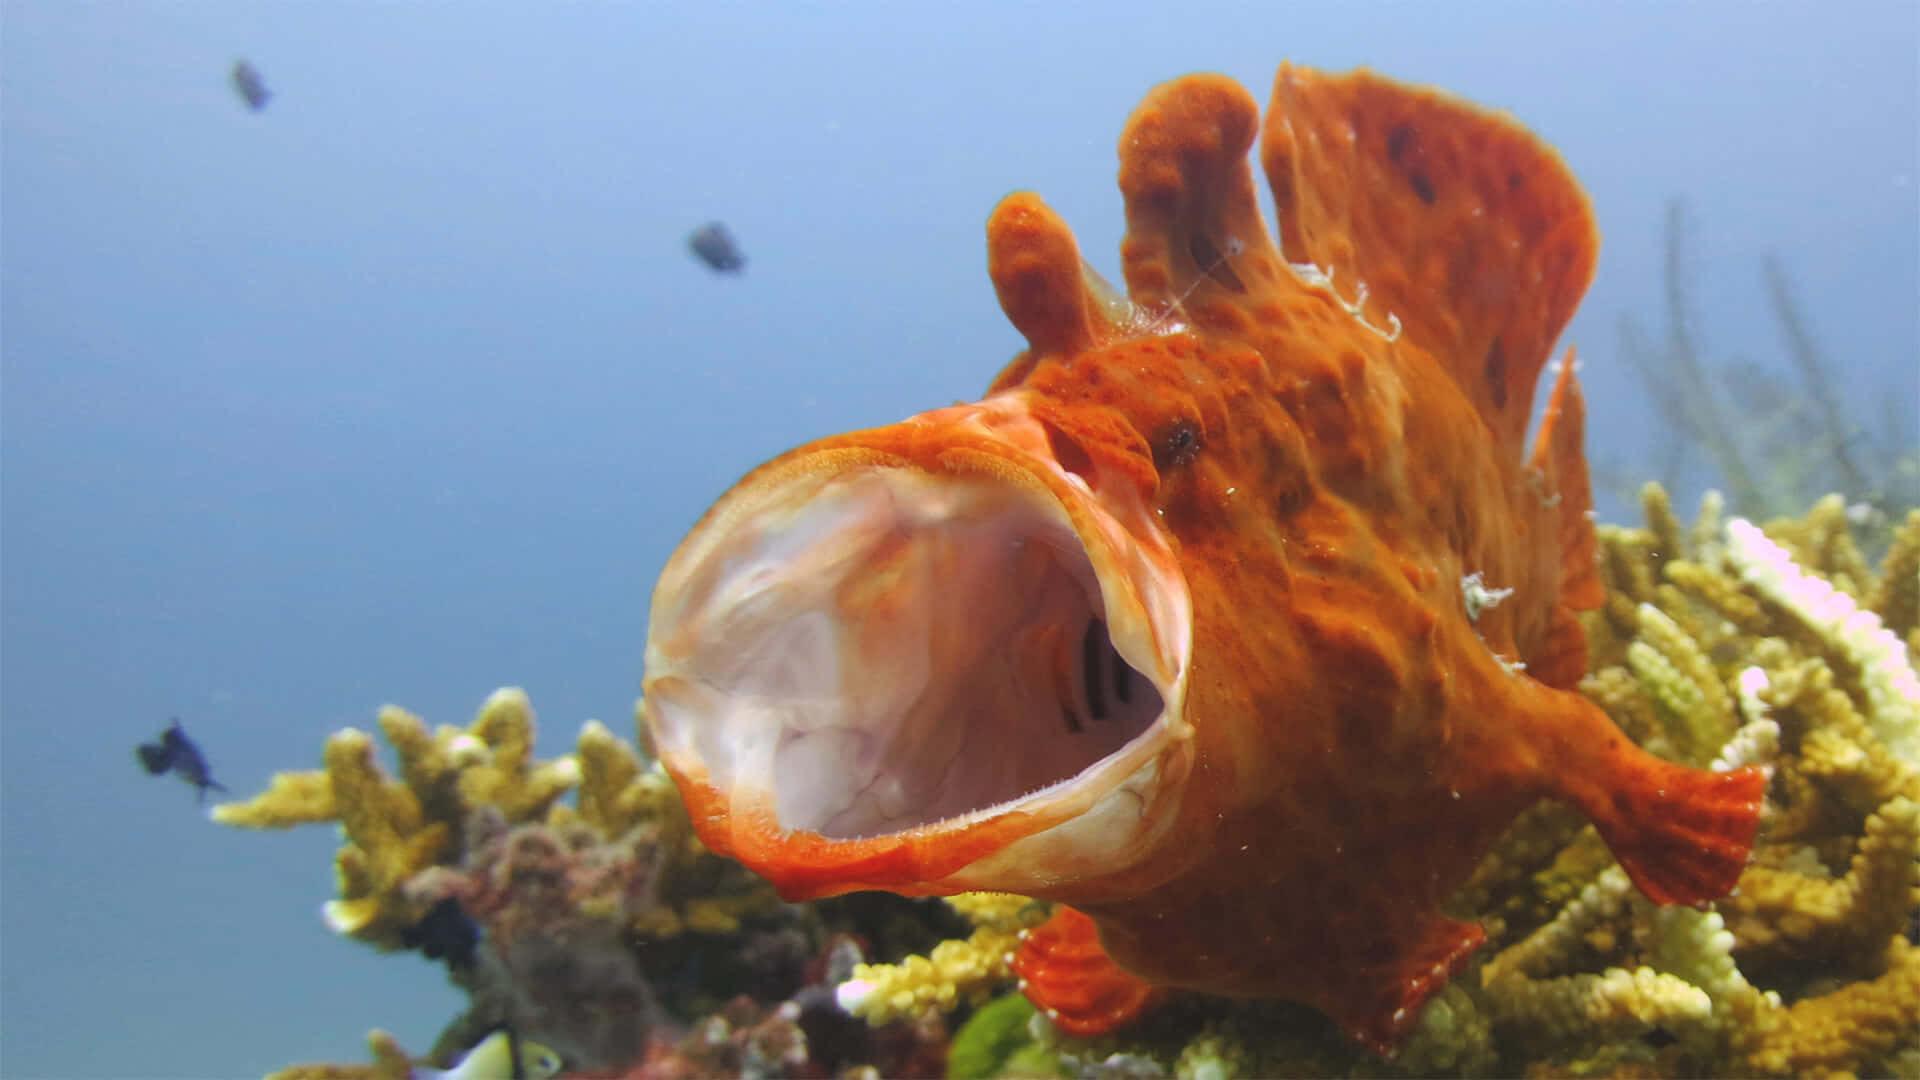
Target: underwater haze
(403,386)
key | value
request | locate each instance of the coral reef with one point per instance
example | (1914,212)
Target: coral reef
(396,827)
(611,934)
(583,908)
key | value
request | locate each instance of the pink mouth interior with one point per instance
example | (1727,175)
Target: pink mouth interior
(887,650)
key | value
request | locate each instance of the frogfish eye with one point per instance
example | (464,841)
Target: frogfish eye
(1177,445)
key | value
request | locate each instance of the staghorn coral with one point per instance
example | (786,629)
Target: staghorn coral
(1717,634)
(397,827)
(1830,620)
(1815,684)
(1896,596)
(1721,643)
(954,972)
(1805,917)
(584,906)
(1831,1034)
(692,890)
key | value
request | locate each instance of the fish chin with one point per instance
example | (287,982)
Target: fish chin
(869,673)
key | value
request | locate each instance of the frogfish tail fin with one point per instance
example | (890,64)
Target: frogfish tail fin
(1682,834)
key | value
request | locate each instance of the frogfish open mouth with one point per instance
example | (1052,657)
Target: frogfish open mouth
(1235,617)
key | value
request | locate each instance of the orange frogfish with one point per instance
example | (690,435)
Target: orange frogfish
(1236,616)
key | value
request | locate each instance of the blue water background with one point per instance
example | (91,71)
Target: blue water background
(404,388)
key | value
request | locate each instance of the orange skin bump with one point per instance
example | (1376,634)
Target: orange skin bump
(1351,741)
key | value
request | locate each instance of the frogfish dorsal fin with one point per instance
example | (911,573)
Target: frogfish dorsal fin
(1196,247)
(1040,278)
(1467,230)
(1559,465)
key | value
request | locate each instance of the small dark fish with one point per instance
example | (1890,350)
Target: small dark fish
(248,84)
(176,753)
(445,932)
(715,246)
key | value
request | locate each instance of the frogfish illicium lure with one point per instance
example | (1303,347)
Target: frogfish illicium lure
(1236,617)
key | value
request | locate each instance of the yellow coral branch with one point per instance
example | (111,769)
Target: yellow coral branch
(1886,672)
(396,827)
(1840,1032)
(953,972)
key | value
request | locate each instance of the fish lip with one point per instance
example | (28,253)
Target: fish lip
(990,459)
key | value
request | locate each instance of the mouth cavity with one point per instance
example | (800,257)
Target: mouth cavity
(884,650)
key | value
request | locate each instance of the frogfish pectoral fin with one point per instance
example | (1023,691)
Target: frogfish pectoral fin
(1069,977)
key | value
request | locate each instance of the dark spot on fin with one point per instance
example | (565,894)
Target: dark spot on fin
(1399,142)
(1213,262)
(1496,373)
(1403,150)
